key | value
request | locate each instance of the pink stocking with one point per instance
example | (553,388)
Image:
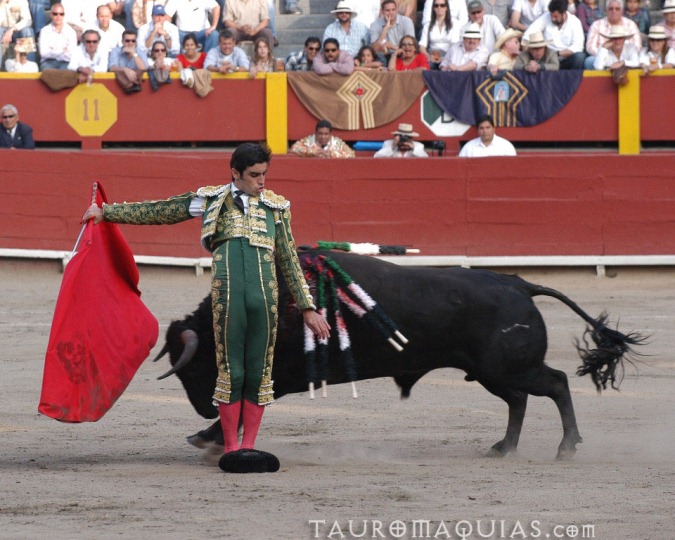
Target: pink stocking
(252,417)
(229,419)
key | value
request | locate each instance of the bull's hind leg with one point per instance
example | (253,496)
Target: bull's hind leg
(517,402)
(546,381)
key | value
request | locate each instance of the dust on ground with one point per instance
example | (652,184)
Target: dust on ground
(386,464)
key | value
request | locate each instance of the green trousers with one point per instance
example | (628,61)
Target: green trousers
(244,296)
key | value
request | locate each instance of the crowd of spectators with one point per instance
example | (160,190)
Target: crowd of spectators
(368,35)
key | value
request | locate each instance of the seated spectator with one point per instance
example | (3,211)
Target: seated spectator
(192,17)
(657,54)
(57,41)
(159,65)
(386,32)
(248,20)
(139,12)
(15,22)
(499,9)
(20,63)
(490,26)
(639,15)
(507,49)
(402,145)
(262,61)
(367,60)
(322,144)
(408,56)
(333,60)
(191,57)
(588,11)
(595,39)
(564,33)
(159,29)
(538,57)
(438,34)
(110,31)
(226,57)
(469,55)
(617,54)
(127,63)
(488,143)
(457,8)
(524,13)
(87,59)
(15,134)
(302,61)
(351,34)
(668,12)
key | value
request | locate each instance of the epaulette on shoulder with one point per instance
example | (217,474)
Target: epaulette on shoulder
(212,191)
(271,199)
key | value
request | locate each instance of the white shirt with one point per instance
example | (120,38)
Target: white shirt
(595,41)
(439,39)
(570,36)
(388,150)
(145,31)
(458,12)
(367,11)
(645,58)
(13,66)
(528,12)
(81,59)
(605,57)
(491,29)
(110,38)
(458,56)
(191,15)
(498,147)
(81,13)
(55,45)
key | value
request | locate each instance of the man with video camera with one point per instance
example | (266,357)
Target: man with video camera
(402,145)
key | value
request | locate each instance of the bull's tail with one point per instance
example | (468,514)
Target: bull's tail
(605,363)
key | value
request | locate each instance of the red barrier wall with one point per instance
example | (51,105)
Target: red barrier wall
(537,204)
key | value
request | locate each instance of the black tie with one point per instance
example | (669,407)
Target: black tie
(238,201)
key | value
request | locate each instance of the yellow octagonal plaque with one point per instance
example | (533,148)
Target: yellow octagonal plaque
(91,110)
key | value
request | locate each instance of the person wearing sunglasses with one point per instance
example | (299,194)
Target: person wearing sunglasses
(457,8)
(303,60)
(87,59)
(439,33)
(57,41)
(408,56)
(333,60)
(127,63)
(15,134)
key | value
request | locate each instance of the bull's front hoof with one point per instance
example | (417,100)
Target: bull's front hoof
(249,461)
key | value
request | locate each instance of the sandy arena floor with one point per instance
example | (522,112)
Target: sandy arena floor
(385,464)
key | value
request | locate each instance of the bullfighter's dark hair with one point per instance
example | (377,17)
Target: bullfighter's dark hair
(248,154)
(558,6)
(485,118)
(324,124)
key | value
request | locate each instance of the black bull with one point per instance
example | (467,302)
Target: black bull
(478,321)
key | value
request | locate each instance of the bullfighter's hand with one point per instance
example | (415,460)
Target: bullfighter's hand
(93,212)
(316,323)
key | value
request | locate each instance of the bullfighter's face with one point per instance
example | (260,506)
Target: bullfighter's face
(252,180)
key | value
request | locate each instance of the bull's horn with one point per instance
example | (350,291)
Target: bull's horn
(164,350)
(191,341)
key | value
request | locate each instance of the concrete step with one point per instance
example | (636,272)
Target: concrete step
(293,30)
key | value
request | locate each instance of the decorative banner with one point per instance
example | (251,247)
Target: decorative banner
(375,98)
(517,99)
(101,331)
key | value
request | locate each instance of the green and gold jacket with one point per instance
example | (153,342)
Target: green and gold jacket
(266,225)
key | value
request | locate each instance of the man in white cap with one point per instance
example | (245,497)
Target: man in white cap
(507,48)
(669,21)
(351,34)
(538,57)
(402,145)
(490,26)
(617,54)
(595,39)
(469,55)
(487,144)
